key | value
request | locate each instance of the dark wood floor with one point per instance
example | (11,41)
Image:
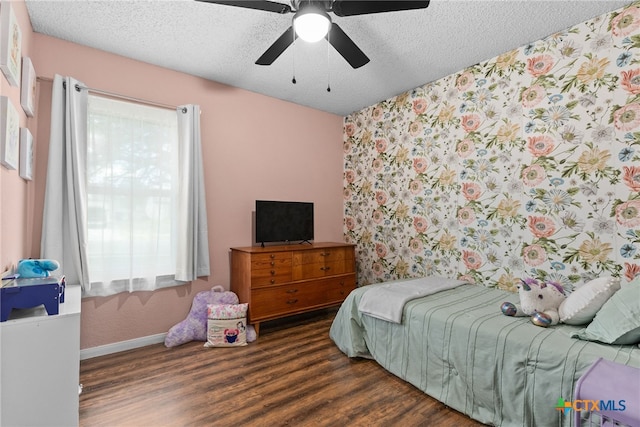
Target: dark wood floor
(293,375)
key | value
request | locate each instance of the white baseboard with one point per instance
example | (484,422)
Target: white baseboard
(116,347)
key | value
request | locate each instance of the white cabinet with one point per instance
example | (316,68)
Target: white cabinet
(40,365)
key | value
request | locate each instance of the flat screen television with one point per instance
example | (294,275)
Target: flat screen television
(278,221)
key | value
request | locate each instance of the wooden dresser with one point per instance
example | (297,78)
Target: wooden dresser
(279,281)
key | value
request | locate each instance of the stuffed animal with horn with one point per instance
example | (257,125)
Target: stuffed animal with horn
(540,300)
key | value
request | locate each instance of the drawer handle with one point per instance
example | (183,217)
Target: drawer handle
(292,291)
(325,253)
(273,272)
(272,256)
(292,301)
(273,263)
(273,281)
(325,268)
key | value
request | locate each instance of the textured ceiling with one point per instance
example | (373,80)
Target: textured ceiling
(221,43)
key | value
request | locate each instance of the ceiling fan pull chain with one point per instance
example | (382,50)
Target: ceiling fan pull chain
(293,80)
(328,63)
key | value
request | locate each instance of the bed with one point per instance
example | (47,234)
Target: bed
(458,347)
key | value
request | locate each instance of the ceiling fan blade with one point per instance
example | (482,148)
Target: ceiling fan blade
(346,47)
(276,49)
(356,7)
(268,6)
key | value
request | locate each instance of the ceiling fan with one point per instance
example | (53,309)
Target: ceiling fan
(311,22)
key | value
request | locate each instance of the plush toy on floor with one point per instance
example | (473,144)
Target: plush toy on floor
(194,327)
(540,300)
(30,268)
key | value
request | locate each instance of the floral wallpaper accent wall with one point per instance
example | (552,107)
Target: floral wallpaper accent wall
(526,165)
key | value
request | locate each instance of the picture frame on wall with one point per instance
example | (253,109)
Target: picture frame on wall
(10,44)
(26,154)
(9,133)
(28,89)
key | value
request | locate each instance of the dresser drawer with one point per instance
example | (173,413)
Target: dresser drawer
(316,270)
(270,260)
(274,301)
(270,276)
(337,288)
(319,256)
(278,300)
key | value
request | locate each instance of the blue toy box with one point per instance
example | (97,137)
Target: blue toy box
(28,293)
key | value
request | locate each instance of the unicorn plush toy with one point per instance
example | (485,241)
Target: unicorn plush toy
(540,300)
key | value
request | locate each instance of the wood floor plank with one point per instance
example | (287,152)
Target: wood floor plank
(293,375)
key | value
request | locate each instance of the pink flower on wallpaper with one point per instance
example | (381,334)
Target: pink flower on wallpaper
(464,80)
(631,271)
(470,122)
(381,197)
(631,81)
(628,213)
(472,260)
(631,177)
(377,216)
(466,216)
(420,164)
(467,278)
(625,23)
(541,226)
(465,148)
(347,147)
(415,186)
(350,176)
(377,113)
(415,245)
(381,250)
(539,65)
(534,255)
(350,129)
(419,105)
(532,96)
(627,117)
(350,223)
(533,175)
(381,145)
(420,224)
(541,145)
(378,268)
(471,190)
(415,128)
(377,165)
(346,193)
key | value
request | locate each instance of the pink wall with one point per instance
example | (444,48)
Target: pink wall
(253,147)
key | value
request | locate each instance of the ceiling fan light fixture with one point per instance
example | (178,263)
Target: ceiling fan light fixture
(311,24)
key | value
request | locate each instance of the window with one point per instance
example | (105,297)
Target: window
(132,184)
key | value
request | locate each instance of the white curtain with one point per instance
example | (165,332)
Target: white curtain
(132,185)
(90,228)
(64,235)
(193,245)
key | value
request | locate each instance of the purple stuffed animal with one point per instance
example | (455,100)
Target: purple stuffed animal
(194,327)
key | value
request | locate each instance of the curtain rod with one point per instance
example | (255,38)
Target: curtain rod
(119,96)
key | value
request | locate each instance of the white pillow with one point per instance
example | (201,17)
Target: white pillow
(581,306)
(226,325)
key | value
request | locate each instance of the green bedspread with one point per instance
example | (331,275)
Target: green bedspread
(459,348)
